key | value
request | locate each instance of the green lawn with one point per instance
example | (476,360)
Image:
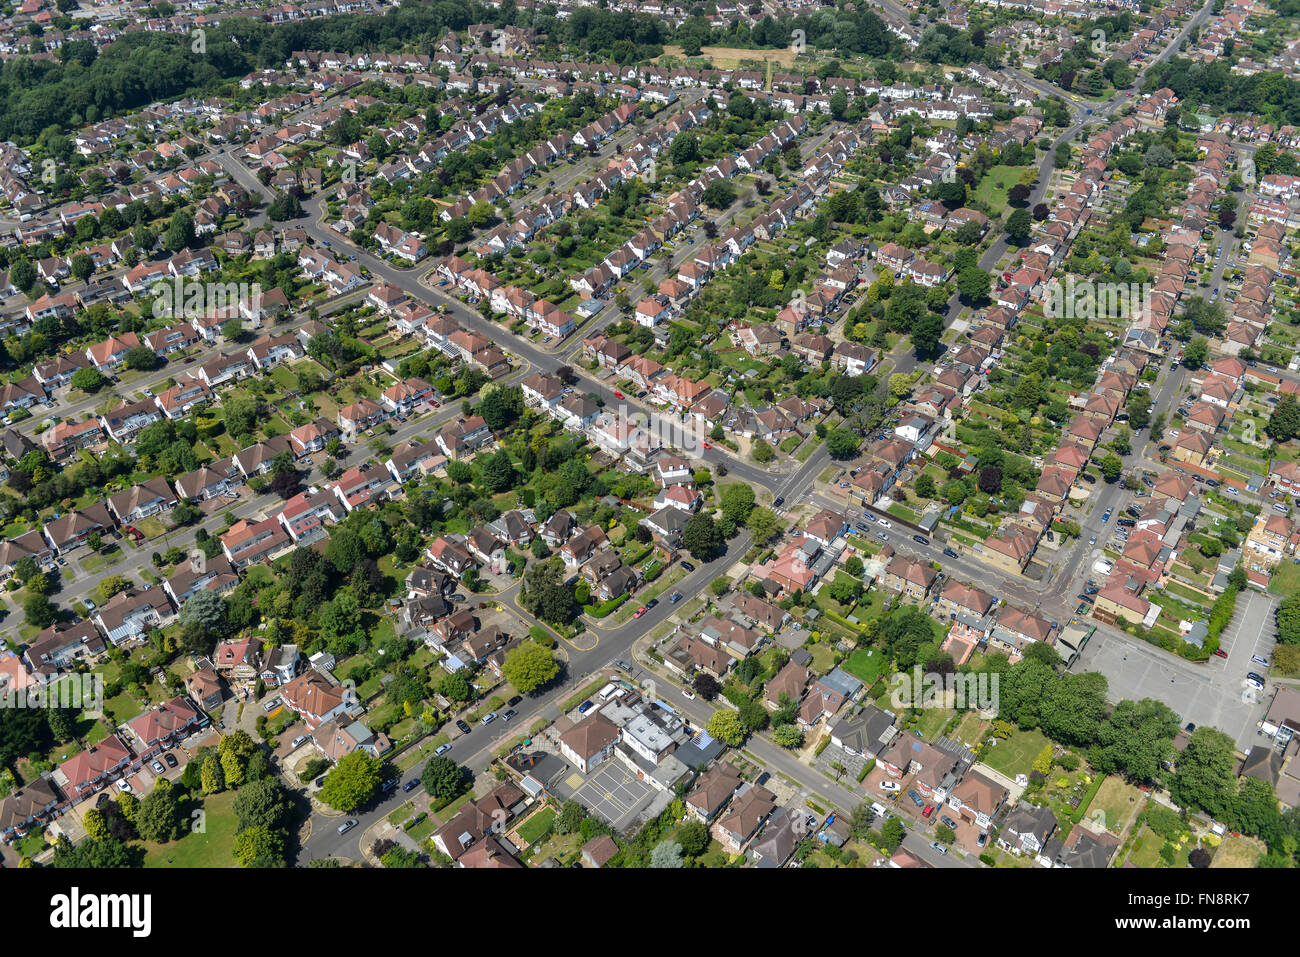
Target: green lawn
(1117,801)
(995,184)
(1016,754)
(1286,579)
(537,825)
(214,847)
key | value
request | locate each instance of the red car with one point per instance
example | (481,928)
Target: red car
(1220,653)
(929,809)
(707,445)
(639,612)
(619,395)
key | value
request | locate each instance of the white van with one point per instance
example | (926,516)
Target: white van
(608,691)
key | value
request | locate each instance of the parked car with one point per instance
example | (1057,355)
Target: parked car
(674,598)
(411,785)
(639,612)
(982,839)
(1220,653)
(885,523)
(584,707)
(171,760)
(929,809)
(889,787)
(488,718)
(939,847)
(300,740)
(882,536)
(1259,660)
(509,713)
(951,553)
(946,821)
(651,603)
(688,566)
(916,798)
(124,786)
(441,749)
(347,825)
(156,767)
(1255,681)
(514,701)
(779,501)
(462,726)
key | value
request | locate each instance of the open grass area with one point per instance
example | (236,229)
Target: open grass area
(1238,852)
(1016,754)
(1285,580)
(532,830)
(995,184)
(1117,801)
(213,847)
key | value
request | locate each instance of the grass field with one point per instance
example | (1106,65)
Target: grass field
(1016,754)
(214,847)
(993,187)
(537,825)
(1117,801)
(1285,580)
(732,56)
(1237,852)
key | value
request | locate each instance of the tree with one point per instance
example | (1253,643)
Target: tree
(720,194)
(1196,353)
(926,333)
(546,596)
(570,818)
(705,685)
(693,837)
(1205,779)
(701,537)
(82,266)
(725,726)
(352,782)
(842,444)
(667,853)
(737,501)
(205,610)
(1018,227)
(974,284)
(158,817)
(763,524)
(892,834)
(788,736)
(443,778)
(924,485)
(1134,741)
(761,451)
(1284,423)
(259,847)
(1111,467)
(88,380)
(529,666)
(95,825)
(990,479)
(265,804)
(40,612)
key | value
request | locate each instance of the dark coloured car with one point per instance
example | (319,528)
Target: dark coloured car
(674,598)
(411,785)
(950,553)
(921,539)
(688,566)
(464,728)
(780,500)
(514,701)
(585,707)
(171,760)
(916,798)
(651,603)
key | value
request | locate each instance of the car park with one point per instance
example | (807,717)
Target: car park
(1259,660)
